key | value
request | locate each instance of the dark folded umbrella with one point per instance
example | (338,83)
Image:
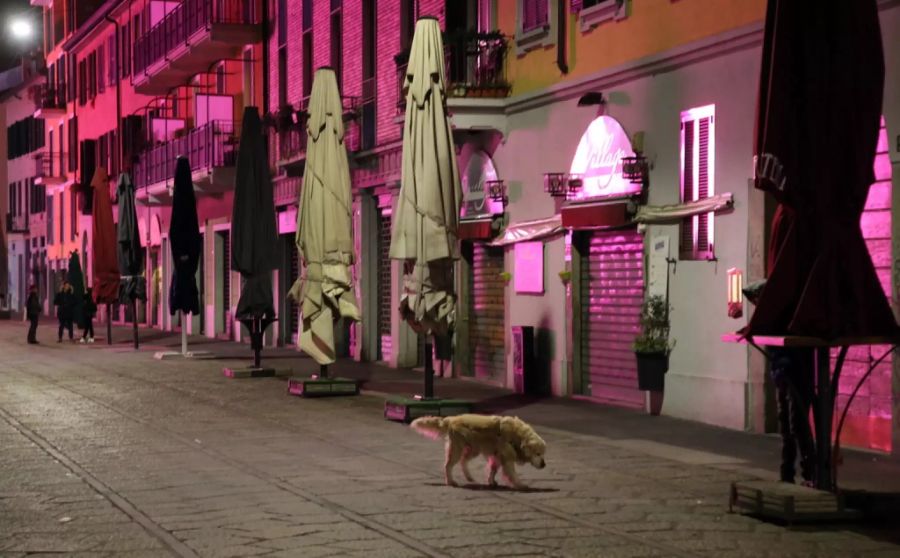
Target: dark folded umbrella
(131,254)
(186,242)
(75,277)
(254,235)
(819,115)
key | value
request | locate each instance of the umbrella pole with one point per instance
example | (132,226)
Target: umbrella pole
(429,371)
(134,322)
(183,333)
(256,338)
(108,323)
(323,371)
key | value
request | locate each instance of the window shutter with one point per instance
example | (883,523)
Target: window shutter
(575,6)
(687,185)
(703,244)
(112,72)
(73,144)
(101,69)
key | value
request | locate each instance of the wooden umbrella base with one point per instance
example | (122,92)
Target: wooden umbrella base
(407,409)
(788,502)
(254,372)
(317,386)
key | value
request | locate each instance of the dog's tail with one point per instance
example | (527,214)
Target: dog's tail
(431,427)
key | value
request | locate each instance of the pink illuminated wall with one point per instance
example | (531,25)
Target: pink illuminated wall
(869,420)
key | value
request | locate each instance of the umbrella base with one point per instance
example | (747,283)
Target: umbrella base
(166,355)
(407,409)
(788,502)
(322,387)
(253,372)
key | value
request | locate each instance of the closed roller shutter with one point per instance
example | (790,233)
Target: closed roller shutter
(293,274)
(612,284)
(486,339)
(384,286)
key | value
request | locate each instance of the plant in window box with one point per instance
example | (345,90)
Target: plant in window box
(505,276)
(565,276)
(652,348)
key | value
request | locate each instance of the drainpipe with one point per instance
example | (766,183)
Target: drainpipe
(561,36)
(265,58)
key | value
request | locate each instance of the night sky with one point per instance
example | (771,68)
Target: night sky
(10,49)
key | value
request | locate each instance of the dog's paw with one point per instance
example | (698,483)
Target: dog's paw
(451,482)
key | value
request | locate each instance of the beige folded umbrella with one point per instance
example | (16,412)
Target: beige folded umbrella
(323,236)
(425,224)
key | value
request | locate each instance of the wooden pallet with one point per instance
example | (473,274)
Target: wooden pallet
(788,502)
(403,409)
(322,387)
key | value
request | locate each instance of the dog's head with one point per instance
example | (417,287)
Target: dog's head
(534,449)
(530,448)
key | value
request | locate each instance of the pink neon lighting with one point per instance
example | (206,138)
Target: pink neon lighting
(599,159)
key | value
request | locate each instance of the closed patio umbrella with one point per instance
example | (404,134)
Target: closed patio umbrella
(75,277)
(254,235)
(427,215)
(132,286)
(323,225)
(186,243)
(106,264)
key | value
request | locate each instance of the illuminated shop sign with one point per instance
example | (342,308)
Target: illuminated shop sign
(476,200)
(599,160)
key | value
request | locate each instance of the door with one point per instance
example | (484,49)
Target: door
(223,283)
(611,291)
(487,354)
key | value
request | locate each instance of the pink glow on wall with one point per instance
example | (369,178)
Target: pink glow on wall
(529,270)
(213,107)
(159,9)
(599,159)
(163,129)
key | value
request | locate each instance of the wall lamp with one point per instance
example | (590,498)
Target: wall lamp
(562,184)
(497,191)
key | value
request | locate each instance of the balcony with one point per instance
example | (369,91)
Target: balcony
(212,151)
(475,79)
(50,168)
(49,102)
(287,146)
(17,223)
(190,38)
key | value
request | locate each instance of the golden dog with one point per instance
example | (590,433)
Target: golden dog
(504,441)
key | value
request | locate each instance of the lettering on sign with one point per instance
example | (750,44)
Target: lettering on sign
(476,203)
(599,159)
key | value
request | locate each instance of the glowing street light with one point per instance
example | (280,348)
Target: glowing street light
(21,29)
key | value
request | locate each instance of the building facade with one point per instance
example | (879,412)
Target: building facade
(560,243)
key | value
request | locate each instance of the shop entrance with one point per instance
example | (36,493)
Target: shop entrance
(485,312)
(610,289)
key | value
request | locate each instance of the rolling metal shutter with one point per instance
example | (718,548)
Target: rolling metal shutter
(384,286)
(293,274)
(486,313)
(612,283)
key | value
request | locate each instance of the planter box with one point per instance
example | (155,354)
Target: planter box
(652,368)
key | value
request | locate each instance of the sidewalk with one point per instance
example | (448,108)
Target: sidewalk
(662,436)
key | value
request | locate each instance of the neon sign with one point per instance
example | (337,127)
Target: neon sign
(599,160)
(476,201)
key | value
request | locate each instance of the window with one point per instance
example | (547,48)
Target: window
(73,143)
(92,75)
(368,108)
(112,73)
(49,205)
(62,218)
(220,79)
(697,180)
(407,23)
(535,15)
(126,53)
(337,39)
(535,19)
(249,85)
(82,82)
(594,12)
(282,77)
(101,69)
(307,47)
(73,209)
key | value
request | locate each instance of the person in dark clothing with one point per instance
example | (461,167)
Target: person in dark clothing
(792,371)
(65,307)
(33,312)
(89,310)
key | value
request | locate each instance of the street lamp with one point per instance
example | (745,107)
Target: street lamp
(21,29)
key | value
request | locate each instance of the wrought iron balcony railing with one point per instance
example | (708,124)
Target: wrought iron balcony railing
(212,145)
(48,98)
(50,165)
(475,66)
(186,19)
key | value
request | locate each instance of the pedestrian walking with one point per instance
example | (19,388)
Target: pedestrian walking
(33,312)
(89,310)
(65,308)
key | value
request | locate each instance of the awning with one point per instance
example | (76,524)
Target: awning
(484,228)
(530,230)
(596,214)
(674,213)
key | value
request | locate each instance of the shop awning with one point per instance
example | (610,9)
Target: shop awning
(477,229)
(674,213)
(530,230)
(589,215)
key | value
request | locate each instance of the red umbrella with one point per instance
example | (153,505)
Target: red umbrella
(106,263)
(818,120)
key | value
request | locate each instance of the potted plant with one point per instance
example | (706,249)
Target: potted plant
(652,348)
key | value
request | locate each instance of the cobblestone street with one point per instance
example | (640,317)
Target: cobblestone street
(108,452)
